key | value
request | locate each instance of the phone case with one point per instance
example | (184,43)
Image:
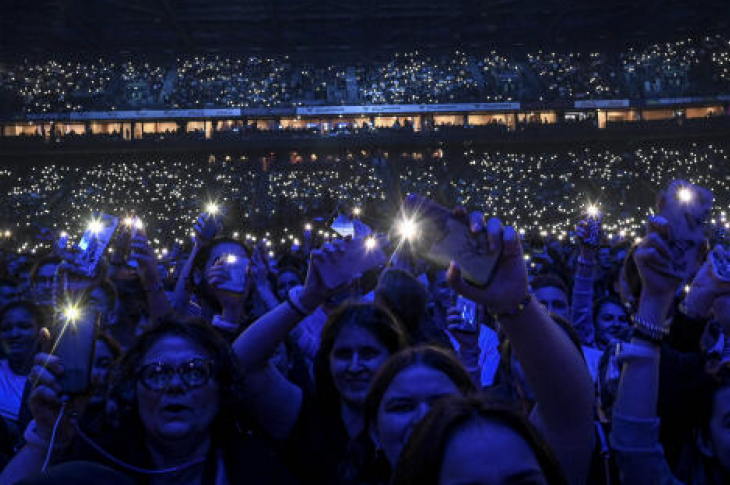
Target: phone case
(360,259)
(75,347)
(442,239)
(92,246)
(236,282)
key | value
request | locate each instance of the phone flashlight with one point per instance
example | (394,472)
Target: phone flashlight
(408,229)
(356,211)
(71,313)
(307,227)
(685,195)
(212,209)
(370,243)
(231,258)
(592,211)
(95,226)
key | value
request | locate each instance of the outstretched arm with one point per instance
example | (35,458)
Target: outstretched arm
(552,364)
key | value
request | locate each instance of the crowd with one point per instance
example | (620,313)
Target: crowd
(691,67)
(291,321)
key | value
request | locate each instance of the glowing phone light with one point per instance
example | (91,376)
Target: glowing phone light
(592,210)
(212,209)
(231,258)
(685,195)
(408,229)
(95,227)
(370,243)
(71,313)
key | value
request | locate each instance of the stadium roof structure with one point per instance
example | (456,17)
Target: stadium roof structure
(314,26)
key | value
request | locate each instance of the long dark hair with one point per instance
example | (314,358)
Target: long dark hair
(421,459)
(373,318)
(363,461)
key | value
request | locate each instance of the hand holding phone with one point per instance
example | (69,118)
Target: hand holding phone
(207,227)
(589,232)
(686,208)
(341,261)
(75,336)
(439,237)
(93,244)
(235,268)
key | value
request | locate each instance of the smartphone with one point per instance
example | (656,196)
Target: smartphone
(236,267)
(75,338)
(468,310)
(362,255)
(442,238)
(92,245)
(686,207)
(136,227)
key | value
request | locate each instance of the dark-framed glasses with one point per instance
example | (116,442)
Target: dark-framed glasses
(157,375)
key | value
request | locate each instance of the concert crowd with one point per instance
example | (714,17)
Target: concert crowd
(559,317)
(690,67)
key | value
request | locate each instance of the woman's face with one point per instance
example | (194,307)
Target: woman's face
(18,333)
(720,427)
(405,402)
(285,282)
(177,413)
(355,358)
(611,324)
(489,453)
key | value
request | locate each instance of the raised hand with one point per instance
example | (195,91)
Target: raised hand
(206,228)
(653,259)
(508,287)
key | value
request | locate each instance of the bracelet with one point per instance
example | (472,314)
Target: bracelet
(293,299)
(514,311)
(224,325)
(649,331)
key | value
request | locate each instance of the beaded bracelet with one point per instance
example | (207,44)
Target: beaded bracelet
(654,333)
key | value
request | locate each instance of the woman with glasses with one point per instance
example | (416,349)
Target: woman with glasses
(178,416)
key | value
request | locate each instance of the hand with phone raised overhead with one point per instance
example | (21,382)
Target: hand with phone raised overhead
(338,264)
(206,228)
(508,285)
(654,260)
(686,208)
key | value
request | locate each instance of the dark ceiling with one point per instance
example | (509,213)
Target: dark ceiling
(326,26)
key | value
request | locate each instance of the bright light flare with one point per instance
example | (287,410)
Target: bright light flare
(71,313)
(231,259)
(593,210)
(96,227)
(685,195)
(212,209)
(370,243)
(356,211)
(408,229)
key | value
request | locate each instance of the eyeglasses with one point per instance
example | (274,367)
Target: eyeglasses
(157,375)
